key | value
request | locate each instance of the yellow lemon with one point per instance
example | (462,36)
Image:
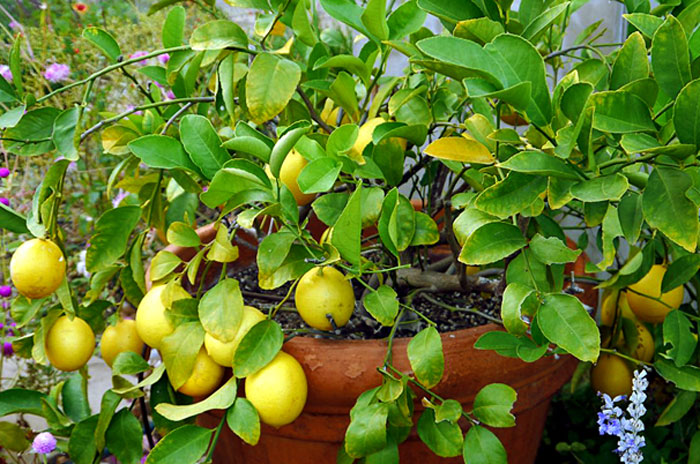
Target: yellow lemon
(278,390)
(289,172)
(119,338)
(329,115)
(69,344)
(364,137)
(37,268)
(323,291)
(644,350)
(611,300)
(648,309)
(611,375)
(151,323)
(222,352)
(205,377)
(278,29)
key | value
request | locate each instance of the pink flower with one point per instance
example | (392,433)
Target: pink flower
(14,25)
(119,197)
(139,54)
(164,58)
(44,443)
(5,201)
(4,172)
(5,72)
(7,349)
(5,291)
(57,72)
(170,95)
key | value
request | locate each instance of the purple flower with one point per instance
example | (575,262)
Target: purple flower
(2,326)
(57,72)
(164,58)
(119,197)
(5,291)
(44,443)
(170,95)
(139,54)
(143,458)
(14,25)
(4,172)
(7,349)
(5,305)
(5,72)
(5,201)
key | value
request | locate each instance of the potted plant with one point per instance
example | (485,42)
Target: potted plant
(316,302)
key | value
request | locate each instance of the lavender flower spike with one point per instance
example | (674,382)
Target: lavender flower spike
(57,72)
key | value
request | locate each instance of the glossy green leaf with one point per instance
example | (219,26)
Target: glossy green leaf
(677,408)
(686,114)
(680,271)
(667,209)
(13,437)
(552,250)
(374,19)
(271,82)
(646,23)
(670,57)
(451,11)
(511,195)
(620,112)
(677,333)
(426,358)
(631,216)
(218,34)
(426,230)
(443,438)
(493,405)
(367,431)
(186,445)
(491,242)
(382,304)
(631,63)
(406,19)
(74,398)
(537,162)
(104,41)
(203,144)
(34,130)
(348,243)
(162,264)
(481,446)
(173,32)
(124,437)
(129,363)
(514,296)
(221,309)
(112,231)
(564,321)
(481,30)
(222,398)
(602,188)
(258,347)
(179,351)
(12,220)
(161,151)
(685,378)
(81,445)
(63,135)
(319,175)
(243,420)
(544,20)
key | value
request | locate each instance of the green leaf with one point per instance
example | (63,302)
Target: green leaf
(481,30)
(680,271)
(221,310)
(451,11)
(382,305)
(543,21)
(185,445)
(173,32)
(13,437)
(112,231)
(104,41)
(511,195)
(443,438)
(481,446)
(631,63)
(537,162)
(285,144)
(161,151)
(243,420)
(15,59)
(162,264)
(426,357)
(273,250)
(345,11)
(81,445)
(319,175)
(631,216)
(602,188)
(426,231)
(12,221)
(490,243)
(257,348)
(203,144)
(374,19)
(216,35)
(667,209)
(348,242)
(129,363)
(271,82)
(63,135)
(686,114)
(249,145)
(17,400)
(620,112)
(74,396)
(10,118)
(677,408)
(564,321)
(670,57)
(493,405)
(35,127)
(685,378)
(646,23)
(367,431)
(302,25)
(179,351)
(514,296)
(126,389)
(405,20)
(552,250)
(220,399)
(677,332)
(124,437)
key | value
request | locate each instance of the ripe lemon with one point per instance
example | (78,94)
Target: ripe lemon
(289,172)
(119,338)
(205,377)
(612,299)
(647,309)
(644,350)
(69,344)
(364,137)
(278,390)
(278,29)
(222,352)
(37,268)
(329,115)
(611,375)
(151,323)
(323,291)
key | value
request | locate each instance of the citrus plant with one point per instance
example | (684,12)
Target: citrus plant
(505,139)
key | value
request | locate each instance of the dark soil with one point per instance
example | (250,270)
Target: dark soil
(469,311)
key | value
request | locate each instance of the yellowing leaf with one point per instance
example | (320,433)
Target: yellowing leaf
(460,149)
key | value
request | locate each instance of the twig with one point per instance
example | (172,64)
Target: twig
(312,111)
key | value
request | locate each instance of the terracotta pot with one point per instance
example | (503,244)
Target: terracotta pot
(338,371)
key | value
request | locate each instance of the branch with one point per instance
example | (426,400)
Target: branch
(312,111)
(440,282)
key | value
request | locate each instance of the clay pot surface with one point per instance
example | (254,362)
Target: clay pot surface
(338,371)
